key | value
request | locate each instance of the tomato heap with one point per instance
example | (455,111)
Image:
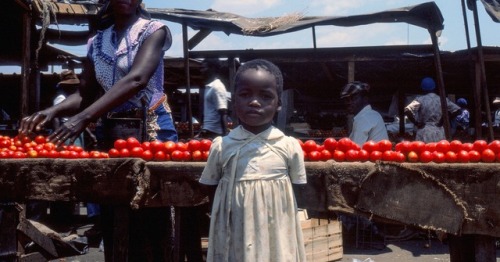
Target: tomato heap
(24,147)
(192,150)
(406,151)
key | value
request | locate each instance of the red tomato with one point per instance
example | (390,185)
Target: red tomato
(5,143)
(494,146)
(95,154)
(443,146)
(194,145)
(177,155)
(456,146)
(438,157)
(363,155)
(19,155)
(205,155)
(399,157)
(120,144)
(113,152)
(64,154)
(159,156)
(451,157)
(49,146)
(32,153)
(375,156)
(39,148)
(314,155)
(146,145)
(384,145)
(147,155)
(412,157)
(474,156)
(136,151)
(479,145)
(77,149)
(417,146)
(330,144)
(403,147)
(84,154)
(462,156)
(40,139)
(124,152)
(320,148)
(74,154)
(345,144)
(467,146)
(43,153)
(326,155)
(310,145)
(388,155)
(169,146)
(488,156)
(181,146)
(338,156)
(4,154)
(186,156)
(205,144)
(426,157)
(370,146)
(352,155)
(132,142)
(53,154)
(197,155)
(156,146)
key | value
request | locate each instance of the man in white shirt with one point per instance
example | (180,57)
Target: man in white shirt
(367,123)
(215,108)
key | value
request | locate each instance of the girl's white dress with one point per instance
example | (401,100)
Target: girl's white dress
(254,214)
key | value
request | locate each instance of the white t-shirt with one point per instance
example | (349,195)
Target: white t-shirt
(215,100)
(368,125)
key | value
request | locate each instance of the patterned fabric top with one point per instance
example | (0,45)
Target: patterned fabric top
(113,59)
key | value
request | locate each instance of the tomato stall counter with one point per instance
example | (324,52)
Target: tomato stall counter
(460,199)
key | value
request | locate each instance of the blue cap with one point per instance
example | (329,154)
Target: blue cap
(428,84)
(461,102)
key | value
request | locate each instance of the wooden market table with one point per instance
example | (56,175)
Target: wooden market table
(459,199)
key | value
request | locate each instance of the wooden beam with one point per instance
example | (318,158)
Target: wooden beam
(38,237)
(196,39)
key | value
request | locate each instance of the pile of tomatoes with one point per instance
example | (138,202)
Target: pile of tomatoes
(38,147)
(192,150)
(345,150)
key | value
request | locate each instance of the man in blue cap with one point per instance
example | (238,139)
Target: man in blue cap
(425,112)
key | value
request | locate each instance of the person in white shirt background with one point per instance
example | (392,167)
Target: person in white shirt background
(367,123)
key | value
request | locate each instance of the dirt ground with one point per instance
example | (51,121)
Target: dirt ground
(413,250)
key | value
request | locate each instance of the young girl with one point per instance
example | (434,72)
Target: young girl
(254,212)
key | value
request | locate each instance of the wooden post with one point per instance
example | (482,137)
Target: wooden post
(188,77)
(26,65)
(480,58)
(440,82)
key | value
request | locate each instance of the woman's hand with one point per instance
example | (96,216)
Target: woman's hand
(70,130)
(35,122)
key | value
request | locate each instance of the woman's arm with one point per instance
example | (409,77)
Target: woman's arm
(144,66)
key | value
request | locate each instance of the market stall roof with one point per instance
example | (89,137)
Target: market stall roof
(426,15)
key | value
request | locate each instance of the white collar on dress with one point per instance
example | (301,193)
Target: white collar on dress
(240,133)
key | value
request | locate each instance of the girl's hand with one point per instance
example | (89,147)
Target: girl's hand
(35,122)
(69,130)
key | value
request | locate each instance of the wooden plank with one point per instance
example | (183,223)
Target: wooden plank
(32,257)
(8,225)
(36,236)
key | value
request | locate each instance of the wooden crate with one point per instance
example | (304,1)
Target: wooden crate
(322,239)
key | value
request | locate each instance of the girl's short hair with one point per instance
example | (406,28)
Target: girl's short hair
(264,65)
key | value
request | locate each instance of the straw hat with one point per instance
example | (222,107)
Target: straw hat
(68,77)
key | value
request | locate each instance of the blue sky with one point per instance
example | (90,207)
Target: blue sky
(452,38)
